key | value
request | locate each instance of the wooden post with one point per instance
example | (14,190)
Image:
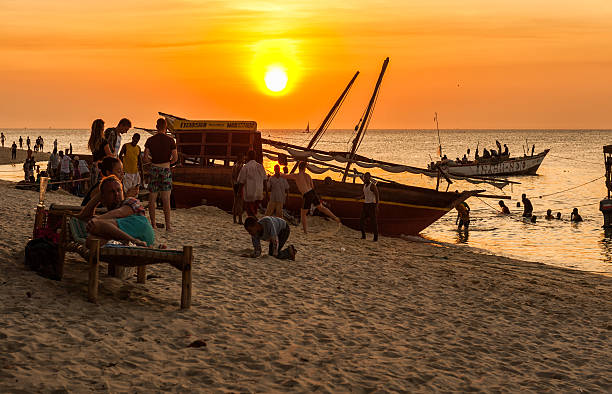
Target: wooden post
(94,264)
(186,283)
(142,274)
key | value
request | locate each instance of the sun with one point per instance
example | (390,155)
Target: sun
(276,79)
(275,68)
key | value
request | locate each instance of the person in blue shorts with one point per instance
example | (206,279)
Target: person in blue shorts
(125,220)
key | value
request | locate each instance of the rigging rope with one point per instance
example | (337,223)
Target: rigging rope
(571,188)
(574,159)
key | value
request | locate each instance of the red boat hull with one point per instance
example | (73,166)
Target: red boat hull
(404,210)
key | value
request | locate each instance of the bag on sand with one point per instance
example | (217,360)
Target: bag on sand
(42,256)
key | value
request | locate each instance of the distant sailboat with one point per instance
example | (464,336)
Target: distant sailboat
(307,128)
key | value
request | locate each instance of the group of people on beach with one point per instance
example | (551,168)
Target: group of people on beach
(250,181)
(116,176)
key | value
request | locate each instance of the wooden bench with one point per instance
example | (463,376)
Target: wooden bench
(118,255)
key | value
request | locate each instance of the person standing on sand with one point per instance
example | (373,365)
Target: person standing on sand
(52,164)
(238,205)
(272,229)
(28,142)
(55,144)
(2,138)
(279,191)
(369,210)
(527,207)
(309,196)
(113,135)
(98,147)
(20,142)
(160,151)
(14,151)
(66,169)
(132,166)
(28,167)
(252,177)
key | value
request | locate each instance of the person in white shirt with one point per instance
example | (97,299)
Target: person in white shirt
(52,164)
(370,205)
(252,178)
(65,167)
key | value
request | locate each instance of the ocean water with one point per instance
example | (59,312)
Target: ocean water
(575,158)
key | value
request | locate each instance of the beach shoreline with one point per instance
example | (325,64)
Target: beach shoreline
(347,315)
(22,154)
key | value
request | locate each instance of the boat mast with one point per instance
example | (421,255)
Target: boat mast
(329,117)
(439,142)
(366,119)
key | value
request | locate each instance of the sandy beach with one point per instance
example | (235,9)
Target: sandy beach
(5,155)
(345,316)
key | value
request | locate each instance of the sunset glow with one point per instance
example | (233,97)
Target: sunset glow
(480,64)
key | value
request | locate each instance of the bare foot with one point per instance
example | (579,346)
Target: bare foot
(292,252)
(138,242)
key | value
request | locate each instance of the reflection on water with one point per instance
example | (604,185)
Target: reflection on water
(575,157)
(463,236)
(606,245)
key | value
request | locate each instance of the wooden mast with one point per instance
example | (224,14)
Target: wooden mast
(366,118)
(329,116)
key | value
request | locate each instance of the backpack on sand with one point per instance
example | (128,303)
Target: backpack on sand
(42,256)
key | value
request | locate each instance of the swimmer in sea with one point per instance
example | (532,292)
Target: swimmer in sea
(575,217)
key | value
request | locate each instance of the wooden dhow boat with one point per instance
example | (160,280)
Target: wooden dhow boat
(208,149)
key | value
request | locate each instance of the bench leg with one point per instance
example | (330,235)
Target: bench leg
(94,264)
(142,274)
(186,283)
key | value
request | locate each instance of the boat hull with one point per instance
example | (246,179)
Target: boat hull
(527,165)
(404,210)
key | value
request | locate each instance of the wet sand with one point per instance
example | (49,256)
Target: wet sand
(5,156)
(347,315)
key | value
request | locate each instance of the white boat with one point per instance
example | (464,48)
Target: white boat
(526,165)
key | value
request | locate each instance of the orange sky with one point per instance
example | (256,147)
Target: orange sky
(479,64)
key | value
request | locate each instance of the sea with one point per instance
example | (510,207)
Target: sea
(571,176)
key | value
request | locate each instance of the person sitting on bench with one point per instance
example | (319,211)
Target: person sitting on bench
(125,220)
